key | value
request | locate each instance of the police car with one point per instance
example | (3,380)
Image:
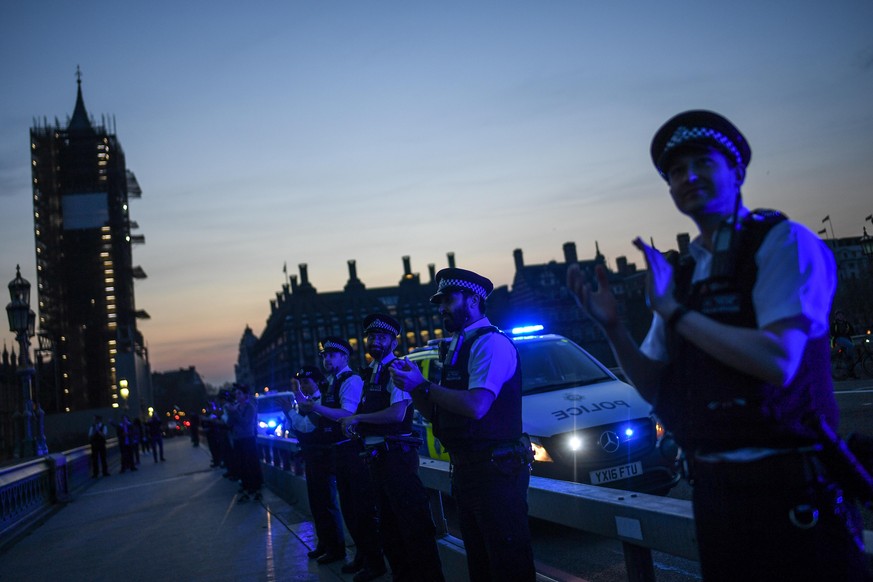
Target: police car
(585,424)
(271,418)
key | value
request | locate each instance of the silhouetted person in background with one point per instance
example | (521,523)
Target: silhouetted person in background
(156,435)
(124,431)
(195,429)
(97,435)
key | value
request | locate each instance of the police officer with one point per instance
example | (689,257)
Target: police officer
(243,420)
(316,436)
(341,399)
(735,362)
(476,414)
(384,422)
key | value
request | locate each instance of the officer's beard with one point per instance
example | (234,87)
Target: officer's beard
(457,319)
(377,352)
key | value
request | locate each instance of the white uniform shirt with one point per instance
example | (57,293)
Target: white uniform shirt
(796,276)
(350,391)
(492,358)
(300,423)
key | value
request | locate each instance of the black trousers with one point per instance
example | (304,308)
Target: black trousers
(406,526)
(492,514)
(248,464)
(321,489)
(158,447)
(98,457)
(358,503)
(777,518)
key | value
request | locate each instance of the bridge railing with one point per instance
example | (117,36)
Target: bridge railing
(641,522)
(33,488)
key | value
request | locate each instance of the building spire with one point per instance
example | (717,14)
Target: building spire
(79,122)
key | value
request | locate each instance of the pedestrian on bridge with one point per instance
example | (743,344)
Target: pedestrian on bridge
(97,435)
(154,426)
(735,361)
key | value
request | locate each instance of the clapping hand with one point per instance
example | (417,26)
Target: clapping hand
(599,305)
(349,424)
(659,280)
(405,375)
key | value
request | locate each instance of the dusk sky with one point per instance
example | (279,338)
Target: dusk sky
(266,133)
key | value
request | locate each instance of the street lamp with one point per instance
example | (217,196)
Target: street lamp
(22,321)
(124,391)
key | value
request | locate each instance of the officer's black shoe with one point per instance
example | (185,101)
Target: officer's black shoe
(367,574)
(331,557)
(318,551)
(354,565)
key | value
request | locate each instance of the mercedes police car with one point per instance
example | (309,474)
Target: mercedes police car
(585,424)
(271,418)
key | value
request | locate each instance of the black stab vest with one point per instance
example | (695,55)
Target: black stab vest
(502,422)
(326,431)
(712,407)
(375,397)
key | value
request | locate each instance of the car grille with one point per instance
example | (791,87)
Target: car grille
(611,443)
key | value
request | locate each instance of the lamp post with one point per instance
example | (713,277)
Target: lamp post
(22,321)
(125,392)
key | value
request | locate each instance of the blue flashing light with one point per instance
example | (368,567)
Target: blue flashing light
(525,329)
(271,424)
(628,432)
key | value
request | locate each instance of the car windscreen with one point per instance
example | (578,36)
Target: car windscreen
(268,405)
(556,364)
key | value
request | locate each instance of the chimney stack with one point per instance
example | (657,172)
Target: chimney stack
(570,256)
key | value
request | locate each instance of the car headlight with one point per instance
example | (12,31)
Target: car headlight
(574,442)
(659,429)
(540,452)
(262,424)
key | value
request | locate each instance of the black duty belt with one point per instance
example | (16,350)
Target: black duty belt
(394,443)
(791,467)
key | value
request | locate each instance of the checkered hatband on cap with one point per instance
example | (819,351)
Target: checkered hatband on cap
(463,284)
(382,324)
(691,134)
(335,345)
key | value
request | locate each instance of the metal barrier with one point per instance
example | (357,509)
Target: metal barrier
(641,522)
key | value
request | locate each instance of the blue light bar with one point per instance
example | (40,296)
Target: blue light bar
(526,329)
